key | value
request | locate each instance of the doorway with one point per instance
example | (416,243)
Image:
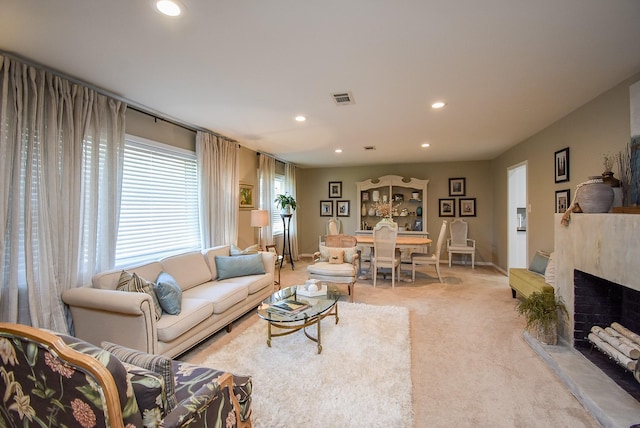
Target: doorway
(517,215)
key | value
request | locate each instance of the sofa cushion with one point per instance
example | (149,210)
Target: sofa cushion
(188,269)
(222,294)
(328,269)
(108,280)
(233,266)
(193,312)
(134,283)
(169,293)
(156,363)
(254,283)
(539,262)
(210,257)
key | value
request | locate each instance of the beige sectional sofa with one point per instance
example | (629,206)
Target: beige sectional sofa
(102,313)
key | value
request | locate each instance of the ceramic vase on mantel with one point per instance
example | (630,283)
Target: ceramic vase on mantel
(595,196)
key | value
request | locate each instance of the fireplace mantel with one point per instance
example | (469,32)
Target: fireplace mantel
(604,245)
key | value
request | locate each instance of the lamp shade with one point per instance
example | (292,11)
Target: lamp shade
(259,218)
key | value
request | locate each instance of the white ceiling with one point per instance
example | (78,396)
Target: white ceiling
(245,68)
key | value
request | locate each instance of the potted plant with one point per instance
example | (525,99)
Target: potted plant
(541,310)
(286,203)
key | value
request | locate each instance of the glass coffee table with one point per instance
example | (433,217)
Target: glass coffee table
(291,312)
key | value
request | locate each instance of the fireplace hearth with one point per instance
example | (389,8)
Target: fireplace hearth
(599,302)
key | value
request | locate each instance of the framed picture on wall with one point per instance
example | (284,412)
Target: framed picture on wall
(457,186)
(326,208)
(562,200)
(342,208)
(447,207)
(246,196)
(335,189)
(467,207)
(561,168)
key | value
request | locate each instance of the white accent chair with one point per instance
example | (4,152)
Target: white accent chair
(384,255)
(433,259)
(343,273)
(459,243)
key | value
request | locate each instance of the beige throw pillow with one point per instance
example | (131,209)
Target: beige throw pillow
(336,256)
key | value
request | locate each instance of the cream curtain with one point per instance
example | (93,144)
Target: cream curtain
(290,187)
(219,186)
(266,175)
(61,147)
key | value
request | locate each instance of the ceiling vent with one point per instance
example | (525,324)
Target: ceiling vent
(369,148)
(343,98)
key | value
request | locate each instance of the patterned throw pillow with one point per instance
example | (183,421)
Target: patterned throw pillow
(156,363)
(148,387)
(132,282)
(336,256)
(348,253)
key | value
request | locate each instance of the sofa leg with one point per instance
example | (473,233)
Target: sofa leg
(229,327)
(513,293)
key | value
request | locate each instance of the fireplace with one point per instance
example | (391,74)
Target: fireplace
(599,302)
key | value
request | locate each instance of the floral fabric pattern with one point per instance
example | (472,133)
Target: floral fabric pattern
(37,388)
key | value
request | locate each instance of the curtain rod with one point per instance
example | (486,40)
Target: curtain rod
(270,155)
(130,103)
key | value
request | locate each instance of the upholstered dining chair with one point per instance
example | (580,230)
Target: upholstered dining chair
(459,242)
(334,226)
(385,235)
(336,261)
(433,259)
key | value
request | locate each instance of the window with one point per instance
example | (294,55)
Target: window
(159,207)
(276,220)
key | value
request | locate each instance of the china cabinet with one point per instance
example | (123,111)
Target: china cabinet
(404,198)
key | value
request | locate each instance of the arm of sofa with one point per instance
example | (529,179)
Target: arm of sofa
(121,317)
(269,261)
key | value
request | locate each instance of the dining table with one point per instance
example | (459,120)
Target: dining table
(402,241)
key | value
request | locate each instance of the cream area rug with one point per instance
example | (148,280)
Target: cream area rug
(362,378)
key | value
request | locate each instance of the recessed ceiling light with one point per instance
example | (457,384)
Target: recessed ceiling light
(425,144)
(168,7)
(300,118)
(338,150)
(438,104)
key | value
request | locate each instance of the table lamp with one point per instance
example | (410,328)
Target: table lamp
(259,219)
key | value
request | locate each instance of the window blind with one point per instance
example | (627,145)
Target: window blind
(159,206)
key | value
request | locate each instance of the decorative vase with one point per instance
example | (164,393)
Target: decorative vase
(419,211)
(363,209)
(594,196)
(609,179)
(372,212)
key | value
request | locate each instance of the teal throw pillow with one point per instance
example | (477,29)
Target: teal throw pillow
(169,294)
(234,266)
(539,263)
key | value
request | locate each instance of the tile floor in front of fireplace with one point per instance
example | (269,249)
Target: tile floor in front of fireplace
(607,402)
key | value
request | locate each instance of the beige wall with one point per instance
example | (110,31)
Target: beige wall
(600,126)
(313,186)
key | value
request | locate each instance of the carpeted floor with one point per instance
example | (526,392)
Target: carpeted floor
(293,386)
(470,363)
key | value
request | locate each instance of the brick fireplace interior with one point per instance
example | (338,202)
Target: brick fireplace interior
(599,302)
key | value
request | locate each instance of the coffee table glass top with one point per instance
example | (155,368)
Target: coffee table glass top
(316,305)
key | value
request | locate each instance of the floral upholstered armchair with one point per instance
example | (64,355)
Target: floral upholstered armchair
(49,379)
